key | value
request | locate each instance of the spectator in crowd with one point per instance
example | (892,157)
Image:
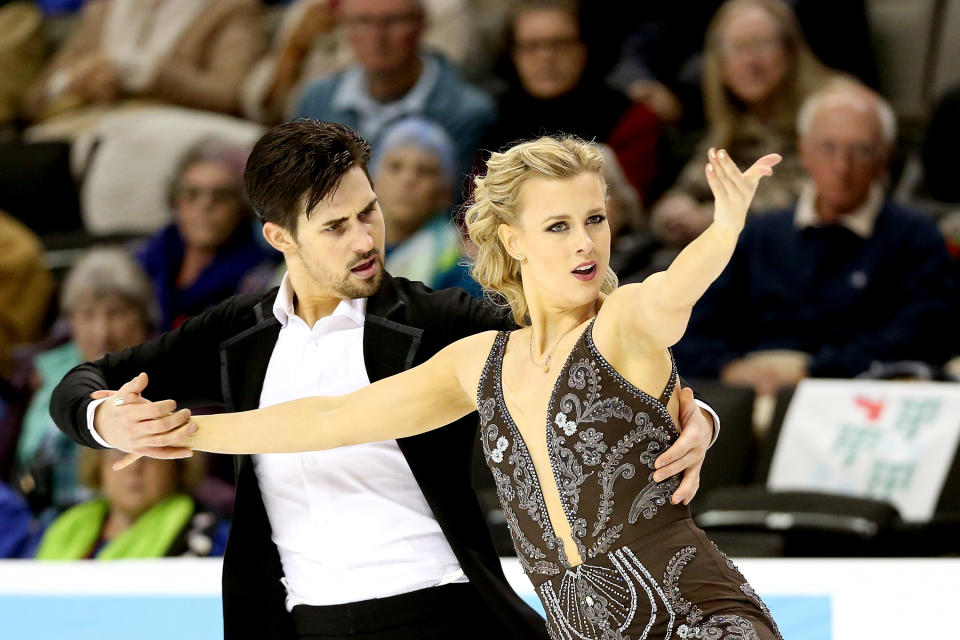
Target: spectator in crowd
(758,69)
(394,78)
(145,512)
(415,170)
(659,60)
(843,279)
(25,287)
(191,53)
(108,303)
(21,55)
(554,93)
(204,256)
(310,44)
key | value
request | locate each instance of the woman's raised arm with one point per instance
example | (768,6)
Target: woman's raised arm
(431,395)
(658,309)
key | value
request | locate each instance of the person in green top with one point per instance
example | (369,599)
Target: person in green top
(144,511)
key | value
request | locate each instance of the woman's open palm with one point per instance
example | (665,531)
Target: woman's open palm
(732,189)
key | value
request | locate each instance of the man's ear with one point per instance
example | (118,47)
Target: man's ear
(279,237)
(511,239)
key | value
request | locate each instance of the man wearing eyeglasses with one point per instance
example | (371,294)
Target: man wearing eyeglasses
(393,78)
(844,279)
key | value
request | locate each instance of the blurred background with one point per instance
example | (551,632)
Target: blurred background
(829,347)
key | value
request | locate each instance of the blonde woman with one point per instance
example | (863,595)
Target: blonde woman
(758,69)
(575,406)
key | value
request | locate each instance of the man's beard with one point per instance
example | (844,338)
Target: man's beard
(352,289)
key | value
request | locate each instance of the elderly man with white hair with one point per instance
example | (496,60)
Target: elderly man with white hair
(842,280)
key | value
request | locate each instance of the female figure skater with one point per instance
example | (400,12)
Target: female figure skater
(574,407)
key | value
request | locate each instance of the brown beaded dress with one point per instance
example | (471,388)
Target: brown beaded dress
(647,571)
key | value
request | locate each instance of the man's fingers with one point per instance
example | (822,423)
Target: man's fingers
(152,410)
(170,437)
(688,405)
(689,459)
(136,385)
(688,486)
(102,393)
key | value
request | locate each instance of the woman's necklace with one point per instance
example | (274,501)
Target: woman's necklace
(546,363)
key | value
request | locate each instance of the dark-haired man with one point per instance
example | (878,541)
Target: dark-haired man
(383,540)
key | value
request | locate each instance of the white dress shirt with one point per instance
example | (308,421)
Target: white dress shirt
(351,523)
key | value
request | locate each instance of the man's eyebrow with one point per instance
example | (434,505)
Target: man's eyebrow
(337,221)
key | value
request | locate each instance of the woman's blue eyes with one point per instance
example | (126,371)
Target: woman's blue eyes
(562,226)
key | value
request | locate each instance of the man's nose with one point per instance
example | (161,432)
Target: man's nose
(362,240)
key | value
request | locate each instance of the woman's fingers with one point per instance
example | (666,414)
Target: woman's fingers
(172,437)
(126,461)
(762,167)
(713,179)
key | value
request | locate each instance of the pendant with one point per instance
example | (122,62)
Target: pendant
(546,365)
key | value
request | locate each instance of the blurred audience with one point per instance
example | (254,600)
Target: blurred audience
(660,59)
(758,69)
(213,245)
(25,288)
(145,512)
(844,279)
(393,77)
(310,44)
(191,53)
(553,91)
(21,55)
(16,524)
(108,304)
(415,170)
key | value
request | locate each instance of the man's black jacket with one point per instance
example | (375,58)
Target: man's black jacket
(220,358)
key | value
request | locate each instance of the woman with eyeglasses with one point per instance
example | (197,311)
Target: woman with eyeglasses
(211,247)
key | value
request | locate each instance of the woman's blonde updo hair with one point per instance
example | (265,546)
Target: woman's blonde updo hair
(495,202)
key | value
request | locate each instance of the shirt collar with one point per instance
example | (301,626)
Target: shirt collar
(860,221)
(353,309)
(352,93)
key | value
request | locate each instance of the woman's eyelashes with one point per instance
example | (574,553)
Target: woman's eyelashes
(562,226)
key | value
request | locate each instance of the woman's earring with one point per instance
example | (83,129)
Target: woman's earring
(520,256)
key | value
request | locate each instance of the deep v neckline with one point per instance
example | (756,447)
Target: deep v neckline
(511,424)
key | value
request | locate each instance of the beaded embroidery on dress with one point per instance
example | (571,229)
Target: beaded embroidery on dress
(647,570)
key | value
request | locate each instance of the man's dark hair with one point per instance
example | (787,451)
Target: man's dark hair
(299,164)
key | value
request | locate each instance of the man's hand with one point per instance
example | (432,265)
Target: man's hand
(686,454)
(129,422)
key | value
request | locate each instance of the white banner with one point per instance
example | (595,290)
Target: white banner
(890,441)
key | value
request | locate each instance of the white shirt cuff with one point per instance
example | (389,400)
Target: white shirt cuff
(716,419)
(92,408)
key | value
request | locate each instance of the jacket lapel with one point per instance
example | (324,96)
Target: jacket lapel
(244,359)
(389,345)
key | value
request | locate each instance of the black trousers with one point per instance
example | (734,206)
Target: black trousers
(448,611)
